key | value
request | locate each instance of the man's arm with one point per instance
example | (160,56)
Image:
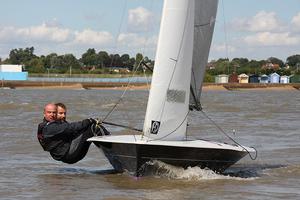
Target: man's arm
(68,129)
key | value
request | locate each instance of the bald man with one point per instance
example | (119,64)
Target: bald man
(66,142)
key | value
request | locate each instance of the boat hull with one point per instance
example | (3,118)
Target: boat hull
(133,157)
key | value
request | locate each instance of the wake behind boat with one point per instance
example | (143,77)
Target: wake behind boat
(182,53)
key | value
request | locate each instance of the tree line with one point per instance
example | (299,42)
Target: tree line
(89,62)
(250,67)
(102,62)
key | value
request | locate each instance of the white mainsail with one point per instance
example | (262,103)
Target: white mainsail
(169,98)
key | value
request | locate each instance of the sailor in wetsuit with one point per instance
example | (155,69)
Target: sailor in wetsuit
(66,142)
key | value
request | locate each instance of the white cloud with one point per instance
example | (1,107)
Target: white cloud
(45,39)
(137,41)
(140,19)
(296,22)
(52,34)
(41,33)
(6,33)
(262,21)
(90,37)
(272,39)
(223,47)
(263,35)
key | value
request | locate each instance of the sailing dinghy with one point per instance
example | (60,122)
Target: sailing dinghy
(182,53)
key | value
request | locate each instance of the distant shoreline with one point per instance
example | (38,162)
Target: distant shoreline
(142,86)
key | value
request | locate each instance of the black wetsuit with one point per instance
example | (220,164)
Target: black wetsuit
(66,142)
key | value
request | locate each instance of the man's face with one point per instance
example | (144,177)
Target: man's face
(50,112)
(61,113)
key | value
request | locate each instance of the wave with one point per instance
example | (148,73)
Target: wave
(161,169)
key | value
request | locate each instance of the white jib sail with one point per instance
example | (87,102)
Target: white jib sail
(167,109)
(205,17)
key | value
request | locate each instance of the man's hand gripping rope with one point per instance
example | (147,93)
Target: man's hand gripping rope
(97,128)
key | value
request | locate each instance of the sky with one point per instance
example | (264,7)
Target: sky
(253,29)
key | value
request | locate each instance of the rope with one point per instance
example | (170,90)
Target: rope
(123,126)
(222,131)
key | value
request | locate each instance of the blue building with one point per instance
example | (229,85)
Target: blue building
(12,73)
(264,79)
(254,78)
(274,78)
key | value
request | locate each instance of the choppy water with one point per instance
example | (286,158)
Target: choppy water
(267,120)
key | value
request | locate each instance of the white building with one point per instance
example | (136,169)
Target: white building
(12,73)
(284,79)
(222,78)
(10,68)
(274,78)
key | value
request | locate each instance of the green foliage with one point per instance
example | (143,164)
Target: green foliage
(276,61)
(101,63)
(209,78)
(243,65)
(138,58)
(104,59)
(21,56)
(90,58)
(293,61)
(35,65)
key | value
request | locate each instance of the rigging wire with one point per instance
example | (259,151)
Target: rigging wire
(222,131)
(123,94)
(119,31)
(225,30)
(210,119)
(135,70)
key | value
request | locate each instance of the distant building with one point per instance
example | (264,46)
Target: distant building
(264,79)
(119,69)
(254,78)
(274,78)
(270,65)
(222,78)
(243,78)
(284,79)
(12,73)
(210,65)
(11,68)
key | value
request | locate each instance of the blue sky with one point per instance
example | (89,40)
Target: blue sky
(255,29)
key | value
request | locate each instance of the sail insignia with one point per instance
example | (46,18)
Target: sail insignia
(154,127)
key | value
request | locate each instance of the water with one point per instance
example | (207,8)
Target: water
(267,120)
